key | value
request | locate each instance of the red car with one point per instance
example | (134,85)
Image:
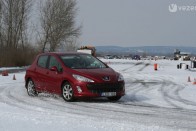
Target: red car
(73,75)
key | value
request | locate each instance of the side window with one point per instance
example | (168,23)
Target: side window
(54,62)
(42,61)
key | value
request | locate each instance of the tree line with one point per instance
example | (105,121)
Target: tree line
(21,40)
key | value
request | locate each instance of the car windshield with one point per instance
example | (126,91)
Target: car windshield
(82,61)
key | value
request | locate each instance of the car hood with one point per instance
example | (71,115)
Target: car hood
(99,74)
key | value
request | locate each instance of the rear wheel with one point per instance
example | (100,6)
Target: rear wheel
(114,98)
(67,92)
(31,88)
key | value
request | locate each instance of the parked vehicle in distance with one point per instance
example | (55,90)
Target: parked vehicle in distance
(88,50)
(73,75)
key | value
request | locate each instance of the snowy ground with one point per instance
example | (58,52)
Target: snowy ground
(154,100)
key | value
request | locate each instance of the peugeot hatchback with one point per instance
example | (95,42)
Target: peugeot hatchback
(73,75)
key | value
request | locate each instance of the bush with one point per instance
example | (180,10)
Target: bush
(21,56)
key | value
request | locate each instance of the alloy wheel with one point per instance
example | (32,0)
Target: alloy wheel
(67,92)
(31,88)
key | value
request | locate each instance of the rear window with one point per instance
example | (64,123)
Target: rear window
(42,61)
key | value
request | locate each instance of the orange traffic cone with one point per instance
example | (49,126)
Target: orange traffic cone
(189,79)
(14,77)
(155,66)
(194,83)
(5,73)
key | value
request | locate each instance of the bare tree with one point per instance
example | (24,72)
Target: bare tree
(14,26)
(58,23)
(15,18)
(58,28)
(70,45)
(1,36)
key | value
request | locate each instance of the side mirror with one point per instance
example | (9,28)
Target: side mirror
(54,68)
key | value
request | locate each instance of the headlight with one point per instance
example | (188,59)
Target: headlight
(82,78)
(120,78)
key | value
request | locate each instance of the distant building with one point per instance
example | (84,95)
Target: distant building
(108,57)
(178,55)
(193,64)
(136,57)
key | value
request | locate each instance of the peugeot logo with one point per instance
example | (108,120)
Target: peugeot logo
(106,78)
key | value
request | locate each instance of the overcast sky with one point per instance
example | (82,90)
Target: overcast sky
(137,22)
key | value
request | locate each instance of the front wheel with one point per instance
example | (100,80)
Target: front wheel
(114,98)
(67,92)
(31,88)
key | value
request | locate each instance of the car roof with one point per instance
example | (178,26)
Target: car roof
(63,53)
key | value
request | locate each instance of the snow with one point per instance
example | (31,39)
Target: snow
(10,68)
(155,100)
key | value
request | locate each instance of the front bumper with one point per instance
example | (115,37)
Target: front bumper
(96,89)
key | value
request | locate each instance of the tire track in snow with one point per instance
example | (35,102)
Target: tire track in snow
(93,108)
(124,110)
(170,95)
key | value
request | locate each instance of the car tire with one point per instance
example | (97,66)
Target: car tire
(31,88)
(67,92)
(114,98)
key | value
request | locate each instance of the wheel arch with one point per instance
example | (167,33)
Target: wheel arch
(27,79)
(64,81)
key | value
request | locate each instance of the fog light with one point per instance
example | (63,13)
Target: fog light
(79,89)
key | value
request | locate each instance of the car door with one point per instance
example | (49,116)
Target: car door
(41,70)
(54,78)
